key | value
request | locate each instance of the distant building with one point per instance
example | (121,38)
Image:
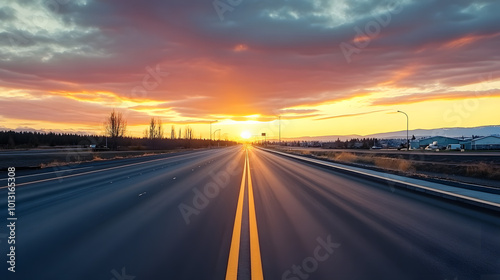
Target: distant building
(482,143)
(442,142)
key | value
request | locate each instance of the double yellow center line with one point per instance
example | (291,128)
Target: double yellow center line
(234,252)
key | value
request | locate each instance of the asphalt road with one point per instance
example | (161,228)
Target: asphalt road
(32,159)
(28,152)
(174,216)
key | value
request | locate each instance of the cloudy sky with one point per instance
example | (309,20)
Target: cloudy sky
(327,67)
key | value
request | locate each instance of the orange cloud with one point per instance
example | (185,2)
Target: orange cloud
(422,97)
(104,97)
(466,40)
(240,48)
(361,39)
(399,75)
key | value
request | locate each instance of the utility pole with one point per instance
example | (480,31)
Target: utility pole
(219,130)
(407,123)
(210,143)
(279,119)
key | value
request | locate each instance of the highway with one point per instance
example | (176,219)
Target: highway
(236,213)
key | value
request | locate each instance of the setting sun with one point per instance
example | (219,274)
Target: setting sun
(245,134)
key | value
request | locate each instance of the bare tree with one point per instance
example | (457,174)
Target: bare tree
(188,132)
(180,133)
(172,132)
(155,130)
(159,129)
(152,129)
(115,127)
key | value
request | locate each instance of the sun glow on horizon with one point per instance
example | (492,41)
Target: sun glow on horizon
(246,134)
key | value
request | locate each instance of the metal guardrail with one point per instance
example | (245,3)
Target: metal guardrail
(398,183)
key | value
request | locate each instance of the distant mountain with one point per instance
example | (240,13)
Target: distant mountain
(326,138)
(448,132)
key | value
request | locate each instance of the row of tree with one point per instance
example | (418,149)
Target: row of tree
(115,128)
(354,143)
(14,139)
(155,131)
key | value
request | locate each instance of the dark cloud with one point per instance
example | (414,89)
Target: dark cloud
(7,14)
(262,57)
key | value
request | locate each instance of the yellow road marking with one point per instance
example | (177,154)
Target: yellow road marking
(255,258)
(234,252)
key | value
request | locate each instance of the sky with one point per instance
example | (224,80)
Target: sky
(336,67)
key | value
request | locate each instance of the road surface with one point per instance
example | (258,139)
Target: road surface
(236,213)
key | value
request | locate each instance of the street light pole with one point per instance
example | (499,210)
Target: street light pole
(216,132)
(210,143)
(279,119)
(407,123)
(219,130)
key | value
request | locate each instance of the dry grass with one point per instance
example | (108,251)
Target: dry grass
(394,164)
(345,157)
(51,164)
(298,152)
(397,164)
(483,169)
(381,162)
(477,170)
(95,157)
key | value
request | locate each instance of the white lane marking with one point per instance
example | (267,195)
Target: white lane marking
(45,173)
(94,171)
